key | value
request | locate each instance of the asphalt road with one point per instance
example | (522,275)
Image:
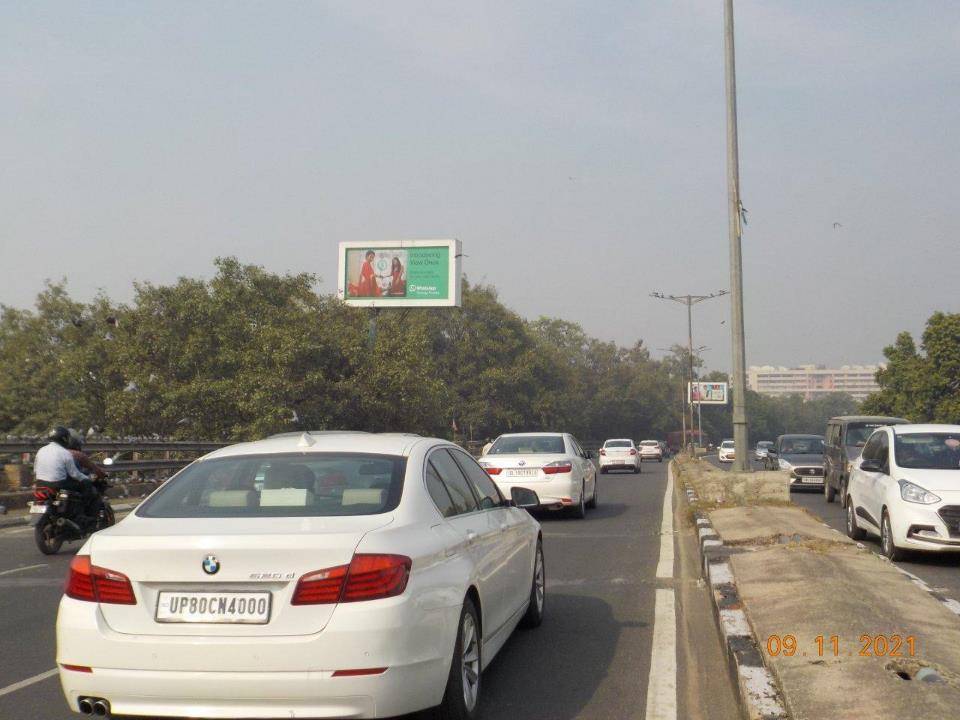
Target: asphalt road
(591,658)
(941,572)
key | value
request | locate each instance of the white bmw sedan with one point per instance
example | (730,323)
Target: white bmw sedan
(906,489)
(307,575)
(553,464)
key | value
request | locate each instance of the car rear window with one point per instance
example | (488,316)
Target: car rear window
(528,445)
(650,443)
(617,443)
(294,485)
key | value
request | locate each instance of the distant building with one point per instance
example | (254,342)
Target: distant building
(813,380)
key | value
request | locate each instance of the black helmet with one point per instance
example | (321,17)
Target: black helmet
(76,440)
(60,435)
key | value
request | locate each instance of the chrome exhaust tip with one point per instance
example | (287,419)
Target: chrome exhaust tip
(101,708)
(86,707)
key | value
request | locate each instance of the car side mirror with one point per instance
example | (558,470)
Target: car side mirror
(871,466)
(524,498)
(772,451)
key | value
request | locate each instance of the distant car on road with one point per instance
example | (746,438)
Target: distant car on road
(801,456)
(906,489)
(315,575)
(651,450)
(762,450)
(845,438)
(620,454)
(553,464)
(726,453)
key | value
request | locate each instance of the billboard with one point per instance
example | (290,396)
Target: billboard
(400,273)
(707,393)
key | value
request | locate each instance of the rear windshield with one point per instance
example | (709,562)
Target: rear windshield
(295,485)
(528,445)
(763,444)
(928,451)
(650,443)
(857,433)
(618,443)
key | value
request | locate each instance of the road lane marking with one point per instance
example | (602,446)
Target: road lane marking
(665,565)
(29,681)
(662,684)
(21,569)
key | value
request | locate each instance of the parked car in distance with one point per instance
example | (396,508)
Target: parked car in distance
(801,456)
(906,489)
(553,464)
(308,575)
(843,442)
(619,454)
(726,452)
(761,450)
(651,450)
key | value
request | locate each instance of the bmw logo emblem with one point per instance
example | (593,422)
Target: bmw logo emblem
(211,565)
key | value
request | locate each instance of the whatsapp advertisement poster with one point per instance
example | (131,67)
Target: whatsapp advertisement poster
(406,273)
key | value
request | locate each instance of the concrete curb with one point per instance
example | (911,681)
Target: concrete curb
(760,696)
(22,520)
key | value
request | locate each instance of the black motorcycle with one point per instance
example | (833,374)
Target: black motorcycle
(61,516)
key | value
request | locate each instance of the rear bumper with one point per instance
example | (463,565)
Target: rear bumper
(308,694)
(264,676)
(620,462)
(562,492)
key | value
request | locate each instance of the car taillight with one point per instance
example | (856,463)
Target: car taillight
(367,577)
(556,467)
(602,451)
(633,452)
(493,470)
(96,584)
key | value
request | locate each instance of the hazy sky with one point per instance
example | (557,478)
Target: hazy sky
(576,148)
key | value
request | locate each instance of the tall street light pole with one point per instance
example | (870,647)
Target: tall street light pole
(689,301)
(735,219)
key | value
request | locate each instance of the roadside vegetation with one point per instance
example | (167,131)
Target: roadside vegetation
(249,352)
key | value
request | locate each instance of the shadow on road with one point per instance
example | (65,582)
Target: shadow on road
(553,672)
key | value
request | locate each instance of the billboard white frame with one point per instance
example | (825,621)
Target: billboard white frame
(724,389)
(454,279)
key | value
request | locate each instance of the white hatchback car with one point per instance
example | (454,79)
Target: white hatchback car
(726,452)
(906,488)
(553,464)
(619,455)
(307,575)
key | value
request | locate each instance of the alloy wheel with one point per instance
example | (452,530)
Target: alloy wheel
(470,661)
(538,581)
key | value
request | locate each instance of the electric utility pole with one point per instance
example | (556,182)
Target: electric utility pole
(735,219)
(689,301)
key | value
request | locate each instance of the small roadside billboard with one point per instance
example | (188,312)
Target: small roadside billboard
(707,393)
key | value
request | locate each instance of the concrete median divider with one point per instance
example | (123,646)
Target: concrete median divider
(815,625)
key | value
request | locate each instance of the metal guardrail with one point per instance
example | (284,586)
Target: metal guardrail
(11,446)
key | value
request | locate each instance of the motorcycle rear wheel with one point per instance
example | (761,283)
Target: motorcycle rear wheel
(45,534)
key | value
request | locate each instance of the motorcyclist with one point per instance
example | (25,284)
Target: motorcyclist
(54,467)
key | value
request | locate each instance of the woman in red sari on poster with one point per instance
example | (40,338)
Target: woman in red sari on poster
(398,280)
(367,285)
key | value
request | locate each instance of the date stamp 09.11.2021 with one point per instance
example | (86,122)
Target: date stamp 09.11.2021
(868,645)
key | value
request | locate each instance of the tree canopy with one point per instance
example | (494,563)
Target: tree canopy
(249,352)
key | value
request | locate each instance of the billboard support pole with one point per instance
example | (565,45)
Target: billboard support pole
(372,331)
